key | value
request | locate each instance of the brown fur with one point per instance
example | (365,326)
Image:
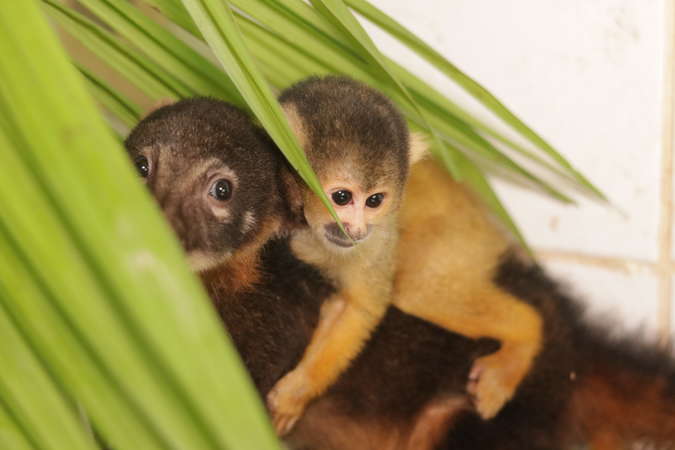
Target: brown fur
(425,431)
(634,407)
(188,146)
(242,270)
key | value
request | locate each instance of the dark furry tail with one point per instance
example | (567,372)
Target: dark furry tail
(587,388)
(624,392)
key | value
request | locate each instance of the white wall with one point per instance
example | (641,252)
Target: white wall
(595,79)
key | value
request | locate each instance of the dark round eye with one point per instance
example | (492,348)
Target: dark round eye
(221,190)
(142,165)
(374,200)
(342,197)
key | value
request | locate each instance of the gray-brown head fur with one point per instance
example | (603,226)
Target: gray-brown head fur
(359,145)
(343,119)
(191,145)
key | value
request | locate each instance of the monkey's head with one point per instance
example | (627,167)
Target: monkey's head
(359,145)
(214,174)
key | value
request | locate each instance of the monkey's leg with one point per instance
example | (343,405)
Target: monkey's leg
(486,312)
(340,334)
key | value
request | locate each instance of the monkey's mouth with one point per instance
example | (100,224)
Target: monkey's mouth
(344,243)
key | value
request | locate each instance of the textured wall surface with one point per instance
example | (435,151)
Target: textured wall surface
(596,80)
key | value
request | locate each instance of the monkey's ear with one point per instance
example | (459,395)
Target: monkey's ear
(296,123)
(293,189)
(419,147)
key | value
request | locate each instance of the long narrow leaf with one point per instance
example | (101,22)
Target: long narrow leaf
(125,292)
(199,75)
(176,12)
(134,65)
(112,100)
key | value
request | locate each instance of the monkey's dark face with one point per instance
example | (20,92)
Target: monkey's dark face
(214,175)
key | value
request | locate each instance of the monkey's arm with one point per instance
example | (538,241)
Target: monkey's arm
(347,320)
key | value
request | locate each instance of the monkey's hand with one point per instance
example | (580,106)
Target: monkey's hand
(288,399)
(493,380)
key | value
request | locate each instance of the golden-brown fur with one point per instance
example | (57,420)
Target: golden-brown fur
(448,251)
(443,265)
(363,273)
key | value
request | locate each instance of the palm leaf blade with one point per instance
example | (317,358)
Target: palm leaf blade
(126,294)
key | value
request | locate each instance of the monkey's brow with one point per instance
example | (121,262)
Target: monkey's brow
(203,169)
(211,164)
(206,169)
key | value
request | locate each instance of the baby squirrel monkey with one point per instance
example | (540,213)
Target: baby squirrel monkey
(361,149)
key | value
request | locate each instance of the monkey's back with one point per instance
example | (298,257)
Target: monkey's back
(448,243)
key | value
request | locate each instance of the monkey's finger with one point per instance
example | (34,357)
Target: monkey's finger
(289,424)
(474,378)
(281,425)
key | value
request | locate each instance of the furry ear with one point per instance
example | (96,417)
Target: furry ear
(419,147)
(293,189)
(296,123)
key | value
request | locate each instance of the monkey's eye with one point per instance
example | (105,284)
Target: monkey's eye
(374,200)
(221,190)
(342,197)
(142,165)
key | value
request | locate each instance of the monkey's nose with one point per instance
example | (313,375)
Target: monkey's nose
(334,232)
(357,233)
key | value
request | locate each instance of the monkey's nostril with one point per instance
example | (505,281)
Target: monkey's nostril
(358,235)
(355,234)
(362,233)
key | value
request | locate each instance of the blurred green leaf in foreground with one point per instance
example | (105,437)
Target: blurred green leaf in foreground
(101,325)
